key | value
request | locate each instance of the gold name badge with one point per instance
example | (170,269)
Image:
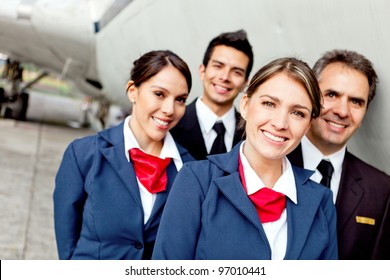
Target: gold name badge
(365,220)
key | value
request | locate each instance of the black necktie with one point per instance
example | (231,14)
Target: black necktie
(219,142)
(326,169)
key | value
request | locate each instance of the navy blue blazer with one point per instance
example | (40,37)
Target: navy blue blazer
(189,135)
(364,192)
(98,212)
(208,215)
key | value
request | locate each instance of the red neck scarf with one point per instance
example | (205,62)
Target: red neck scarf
(269,204)
(150,170)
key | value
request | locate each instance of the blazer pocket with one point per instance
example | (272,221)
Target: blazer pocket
(365,220)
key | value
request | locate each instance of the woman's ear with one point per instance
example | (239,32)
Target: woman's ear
(244,106)
(131,91)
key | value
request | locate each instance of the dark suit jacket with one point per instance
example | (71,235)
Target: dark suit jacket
(364,192)
(209,216)
(97,206)
(188,134)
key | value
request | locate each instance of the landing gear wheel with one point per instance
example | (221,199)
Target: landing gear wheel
(2,98)
(18,109)
(2,95)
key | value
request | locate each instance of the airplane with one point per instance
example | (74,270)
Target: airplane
(93,43)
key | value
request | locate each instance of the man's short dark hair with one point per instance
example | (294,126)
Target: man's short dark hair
(237,40)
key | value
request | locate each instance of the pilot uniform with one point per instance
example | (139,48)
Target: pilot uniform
(363,209)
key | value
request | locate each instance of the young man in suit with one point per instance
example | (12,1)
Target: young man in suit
(226,66)
(361,192)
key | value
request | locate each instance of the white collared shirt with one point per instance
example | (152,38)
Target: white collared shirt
(169,150)
(312,157)
(207,119)
(276,231)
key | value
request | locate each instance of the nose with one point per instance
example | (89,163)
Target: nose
(341,108)
(168,106)
(224,74)
(279,120)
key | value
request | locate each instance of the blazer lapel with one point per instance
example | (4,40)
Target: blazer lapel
(230,187)
(113,151)
(300,218)
(171,174)
(301,215)
(350,192)
(162,196)
(188,133)
(191,124)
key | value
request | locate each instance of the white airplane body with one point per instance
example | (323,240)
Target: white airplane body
(93,43)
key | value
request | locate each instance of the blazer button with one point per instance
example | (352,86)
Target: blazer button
(138,245)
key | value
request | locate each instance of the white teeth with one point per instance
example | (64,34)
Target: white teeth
(336,124)
(221,88)
(273,137)
(160,122)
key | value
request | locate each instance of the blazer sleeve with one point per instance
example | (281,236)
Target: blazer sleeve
(382,245)
(180,224)
(69,198)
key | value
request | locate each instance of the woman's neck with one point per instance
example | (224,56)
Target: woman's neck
(147,144)
(268,170)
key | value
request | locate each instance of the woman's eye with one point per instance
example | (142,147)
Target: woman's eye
(269,104)
(182,99)
(299,114)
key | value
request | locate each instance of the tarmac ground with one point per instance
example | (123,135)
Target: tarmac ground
(30,153)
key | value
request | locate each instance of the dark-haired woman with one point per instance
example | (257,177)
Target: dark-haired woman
(111,188)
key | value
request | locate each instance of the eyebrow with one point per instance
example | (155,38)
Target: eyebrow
(185,94)
(363,101)
(296,106)
(359,99)
(234,68)
(159,87)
